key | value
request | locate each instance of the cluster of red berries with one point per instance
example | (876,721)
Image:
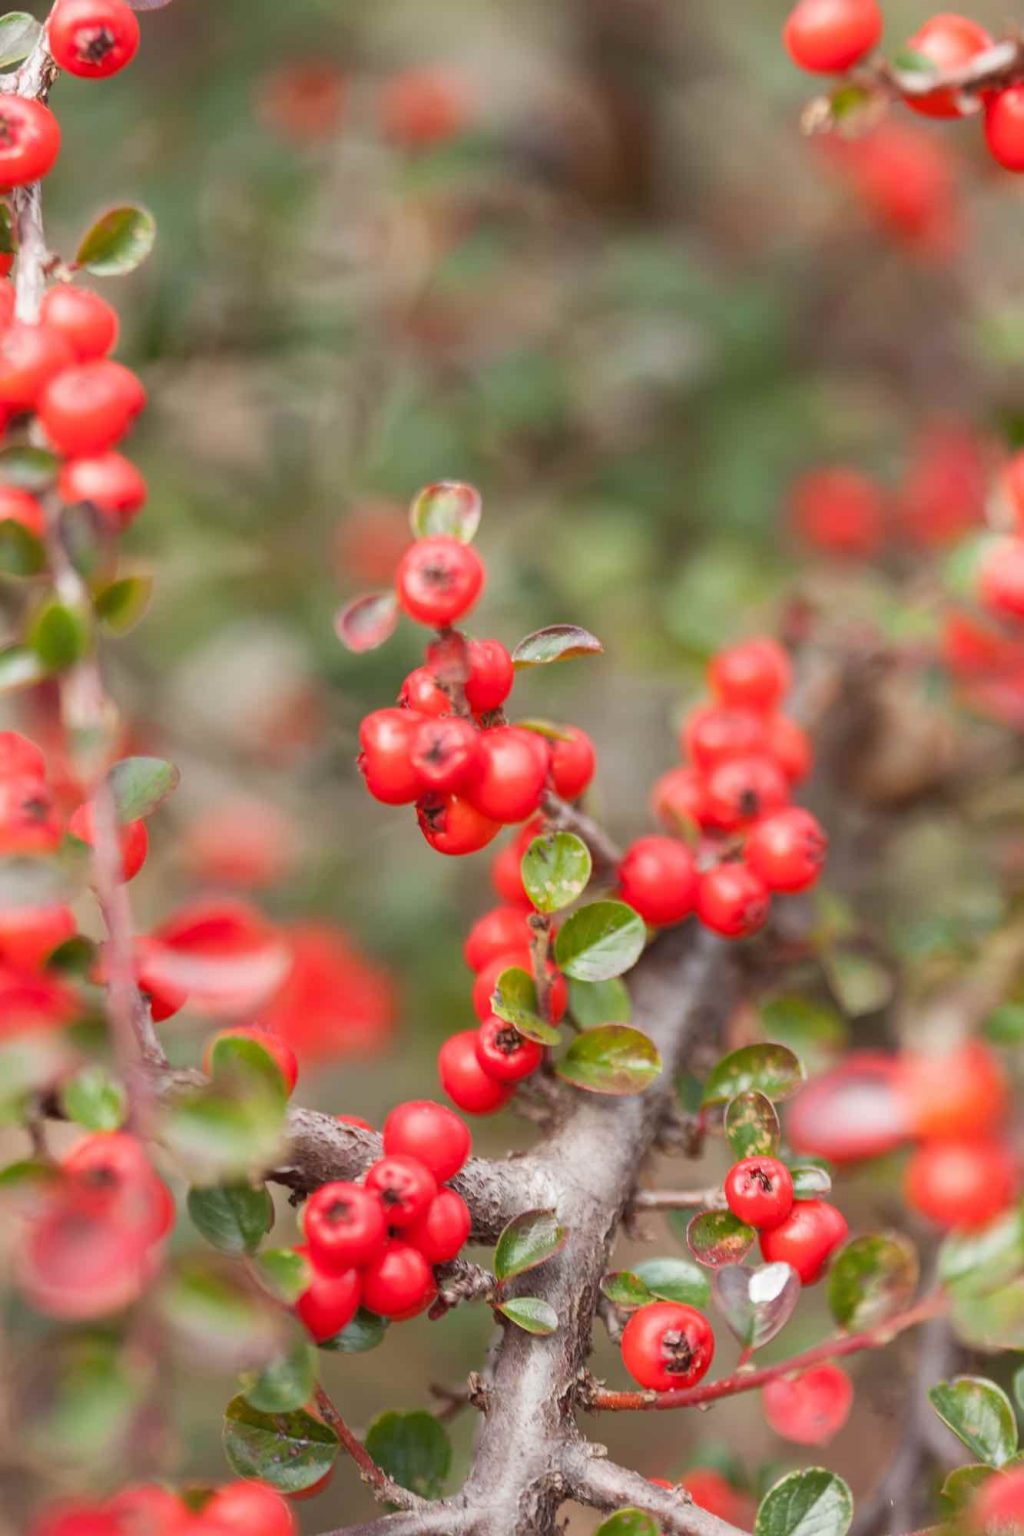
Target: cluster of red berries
(801,1233)
(831,36)
(741,840)
(150,1509)
(376,1243)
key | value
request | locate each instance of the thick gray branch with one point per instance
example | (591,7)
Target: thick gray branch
(602,1484)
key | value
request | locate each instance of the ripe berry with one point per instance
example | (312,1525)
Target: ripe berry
(330,1301)
(29,141)
(146,1509)
(491,675)
(30,356)
(93,38)
(811,1408)
(759,1190)
(280,1053)
(87,408)
(828,36)
(133,838)
(1004,127)
(111,1175)
(790,746)
(107,481)
(464,1079)
(498,932)
(445,754)
(513,771)
(28,935)
(453,826)
(487,980)
(732,900)
(806,1239)
(88,323)
(420,108)
(431,1133)
(666,1344)
(19,757)
(677,799)
(947,42)
(345,1227)
(504,1053)
(742,790)
(961,1183)
(438,580)
(953,1094)
(710,1491)
(422,692)
(753,675)
(852,1112)
(997,1509)
(400,1283)
(787,850)
(712,734)
(403,1185)
(573,761)
(247,1509)
(838,509)
(444,1228)
(386,737)
(658,878)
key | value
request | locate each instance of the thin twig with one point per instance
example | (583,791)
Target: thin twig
(383,1486)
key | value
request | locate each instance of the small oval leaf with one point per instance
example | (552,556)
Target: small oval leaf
(718,1237)
(233,1217)
(514,999)
(810,1181)
(600,1002)
(19,34)
(556,643)
(367,621)
(94,1099)
(30,469)
(672,1279)
(980,1414)
(448,506)
(872,1279)
(756,1303)
(59,635)
(286,1382)
(413,1449)
(614,1058)
(528,1240)
(21,553)
(624,1288)
(140,784)
(556,869)
(601,940)
(811,1503)
(772,1070)
(531,1314)
(629,1522)
(363,1333)
(290,1451)
(752,1126)
(118,242)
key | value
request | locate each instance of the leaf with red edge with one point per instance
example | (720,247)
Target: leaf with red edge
(367,621)
(718,1237)
(448,506)
(558,642)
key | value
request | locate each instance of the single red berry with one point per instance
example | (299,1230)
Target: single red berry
(453,826)
(280,1053)
(87,322)
(87,408)
(107,481)
(744,789)
(30,356)
(677,799)
(948,43)
(658,879)
(465,1081)
(787,850)
(404,1186)
(400,1283)
(19,757)
(247,1509)
(431,1133)
(345,1226)
(838,509)
(28,816)
(997,1509)
(753,675)
(829,36)
(386,737)
(330,1302)
(513,772)
(806,1239)
(498,932)
(573,761)
(112,1176)
(442,1231)
(732,900)
(422,692)
(790,746)
(164,996)
(666,1344)
(133,838)
(504,1053)
(93,38)
(1004,127)
(712,734)
(491,675)
(710,1491)
(961,1183)
(487,980)
(420,108)
(809,1409)
(759,1190)
(953,1095)
(446,755)
(17,506)
(438,580)
(147,1509)
(29,141)
(29,935)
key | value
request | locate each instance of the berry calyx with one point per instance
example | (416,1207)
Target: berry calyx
(445,755)
(422,692)
(658,879)
(454,826)
(345,1226)
(667,1344)
(806,1239)
(743,789)
(93,38)
(759,1191)
(403,1186)
(431,1133)
(504,1053)
(438,580)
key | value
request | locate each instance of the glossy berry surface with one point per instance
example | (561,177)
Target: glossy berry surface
(658,879)
(93,38)
(107,481)
(512,773)
(329,1302)
(454,826)
(498,932)
(89,407)
(828,36)
(445,755)
(961,1184)
(573,762)
(1004,127)
(948,42)
(464,1079)
(29,141)
(400,1283)
(807,1238)
(753,675)
(404,1187)
(431,1133)
(87,322)
(491,675)
(345,1226)
(667,1345)
(443,1229)
(438,580)
(759,1191)
(504,1053)
(809,1409)
(732,900)
(787,850)
(386,737)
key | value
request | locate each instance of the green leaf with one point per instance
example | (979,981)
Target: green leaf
(140,784)
(413,1449)
(1018,1387)
(367,621)
(118,242)
(672,1279)
(752,1126)
(232,1129)
(985,1259)
(625,1289)
(769,1069)
(600,941)
(59,635)
(19,668)
(94,1099)
(123,602)
(910,62)
(963,1483)
(21,553)
(813,1031)
(614,1058)
(284,1272)
(809,1181)
(811,1503)
(531,1314)
(19,34)
(448,506)
(629,1522)
(290,1451)
(980,1414)
(514,999)
(363,1333)
(285,1383)
(233,1217)
(556,869)
(1005,1025)
(31,469)
(556,643)
(872,1279)
(756,1303)
(990,1319)
(600,1002)
(528,1240)
(718,1237)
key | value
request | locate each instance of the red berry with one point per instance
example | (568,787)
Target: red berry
(838,509)
(504,1053)
(710,1491)
(400,1283)
(422,107)
(732,900)
(955,1094)
(811,1408)
(498,932)
(487,980)
(29,935)
(438,580)
(133,838)
(19,757)
(404,1186)
(453,826)
(248,1509)
(88,323)
(30,356)
(961,1183)
(112,1176)
(386,737)
(806,1239)
(997,1509)
(345,1227)
(443,1230)
(742,790)
(28,819)
(465,1081)
(87,408)
(93,38)
(666,1344)
(573,761)
(658,878)
(446,754)
(947,42)
(759,1190)
(17,506)
(753,675)
(422,692)
(431,1133)
(513,772)
(7,294)
(281,1055)
(147,1509)
(713,734)
(330,1301)
(828,36)
(491,675)
(29,141)
(107,481)
(1004,127)
(677,799)
(787,850)
(790,746)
